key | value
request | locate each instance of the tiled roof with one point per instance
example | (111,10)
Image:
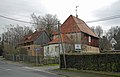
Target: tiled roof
(31,37)
(73,24)
(84,27)
(65,39)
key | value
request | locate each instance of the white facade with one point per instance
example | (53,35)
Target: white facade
(52,50)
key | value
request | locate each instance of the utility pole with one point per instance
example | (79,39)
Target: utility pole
(61,42)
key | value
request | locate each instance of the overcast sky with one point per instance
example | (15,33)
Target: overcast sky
(88,10)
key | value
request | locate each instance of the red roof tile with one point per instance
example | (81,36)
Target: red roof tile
(31,37)
(73,24)
(65,39)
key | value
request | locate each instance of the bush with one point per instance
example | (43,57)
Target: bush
(98,62)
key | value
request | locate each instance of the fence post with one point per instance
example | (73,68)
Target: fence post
(13,56)
(23,58)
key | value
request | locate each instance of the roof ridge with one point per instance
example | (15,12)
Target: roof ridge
(76,22)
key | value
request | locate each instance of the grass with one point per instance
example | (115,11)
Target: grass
(52,65)
(90,71)
(38,65)
(32,64)
(45,64)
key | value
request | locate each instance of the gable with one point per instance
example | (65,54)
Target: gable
(84,27)
(69,26)
(34,36)
(42,39)
(73,25)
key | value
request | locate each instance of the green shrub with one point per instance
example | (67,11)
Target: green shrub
(98,62)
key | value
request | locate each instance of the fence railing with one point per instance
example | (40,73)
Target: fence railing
(32,59)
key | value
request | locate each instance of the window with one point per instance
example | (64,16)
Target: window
(89,39)
(71,36)
(28,48)
(56,48)
(47,50)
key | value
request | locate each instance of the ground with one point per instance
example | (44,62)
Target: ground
(8,69)
(16,69)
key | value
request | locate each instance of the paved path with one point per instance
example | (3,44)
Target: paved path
(11,70)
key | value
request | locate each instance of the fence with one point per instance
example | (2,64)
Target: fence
(98,62)
(32,59)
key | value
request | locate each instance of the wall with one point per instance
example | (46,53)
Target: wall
(32,50)
(49,50)
(73,37)
(92,42)
(89,49)
(42,39)
(52,50)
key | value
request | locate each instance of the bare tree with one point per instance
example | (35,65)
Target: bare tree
(114,32)
(99,31)
(104,44)
(102,40)
(117,37)
(14,35)
(47,22)
(93,29)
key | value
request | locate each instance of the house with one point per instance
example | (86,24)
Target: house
(81,36)
(34,42)
(52,48)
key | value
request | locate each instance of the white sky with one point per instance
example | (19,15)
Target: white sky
(63,8)
(21,10)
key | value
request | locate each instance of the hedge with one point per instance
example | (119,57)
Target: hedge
(97,62)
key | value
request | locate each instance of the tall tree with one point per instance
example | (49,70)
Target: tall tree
(117,38)
(102,40)
(97,30)
(114,32)
(104,44)
(93,29)
(14,35)
(47,22)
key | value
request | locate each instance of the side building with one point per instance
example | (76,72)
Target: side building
(34,43)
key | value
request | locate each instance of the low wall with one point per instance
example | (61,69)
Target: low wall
(90,49)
